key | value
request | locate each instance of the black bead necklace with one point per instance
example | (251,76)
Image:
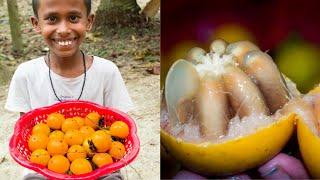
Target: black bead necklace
(84,78)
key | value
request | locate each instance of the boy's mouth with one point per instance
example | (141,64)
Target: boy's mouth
(65,42)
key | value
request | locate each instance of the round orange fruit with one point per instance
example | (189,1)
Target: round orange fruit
(57,134)
(40,156)
(57,147)
(80,166)
(79,120)
(75,152)
(86,131)
(89,147)
(38,141)
(117,150)
(41,128)
(54,120)
(59,164)
(92,120)
(119,129)
(101,159)
(69,124)
(73,137)
(101,140)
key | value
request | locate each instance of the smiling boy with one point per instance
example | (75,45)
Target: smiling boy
(65,73)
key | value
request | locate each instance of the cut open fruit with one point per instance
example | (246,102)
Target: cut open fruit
(308,134)
(222,111)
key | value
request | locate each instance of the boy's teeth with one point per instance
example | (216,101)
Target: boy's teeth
(64,43)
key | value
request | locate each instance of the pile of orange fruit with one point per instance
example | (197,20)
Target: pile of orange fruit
(77,145)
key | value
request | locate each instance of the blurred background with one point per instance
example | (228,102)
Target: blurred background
(287,30)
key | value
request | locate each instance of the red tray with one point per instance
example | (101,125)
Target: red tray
(19,141)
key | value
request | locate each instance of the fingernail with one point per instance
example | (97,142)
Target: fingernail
(275,172)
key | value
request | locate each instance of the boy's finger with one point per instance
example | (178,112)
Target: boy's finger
(275,172)
(283,166)
(239,177)
(188,175)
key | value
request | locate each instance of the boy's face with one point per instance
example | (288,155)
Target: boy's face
(63,25)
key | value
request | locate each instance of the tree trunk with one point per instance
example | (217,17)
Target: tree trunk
(15,26)
(118,13)
(151,8)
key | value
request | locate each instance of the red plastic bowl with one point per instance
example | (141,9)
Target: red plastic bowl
(19,141)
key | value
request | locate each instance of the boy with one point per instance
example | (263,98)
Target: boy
(65,73)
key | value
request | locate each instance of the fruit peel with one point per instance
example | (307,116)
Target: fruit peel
(309,144)
(232,156)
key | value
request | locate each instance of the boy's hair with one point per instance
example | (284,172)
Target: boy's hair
(35,6)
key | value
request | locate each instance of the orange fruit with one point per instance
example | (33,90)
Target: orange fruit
(41,128)
(119,129)
(80,166)
(89,147)
(69,124)
(59,164)
(57,134)
(117,150)
(101,140)
(92,120)
(86,131)
(38,141)
(76,151)
(101,159)
(73,137)
(40,156)
(54,120)
(57,147)
(79,120)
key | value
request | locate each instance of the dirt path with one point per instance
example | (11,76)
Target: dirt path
(144,90)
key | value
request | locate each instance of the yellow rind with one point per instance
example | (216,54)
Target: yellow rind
(309,144)
(232,156)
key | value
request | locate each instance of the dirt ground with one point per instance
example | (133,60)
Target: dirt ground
(144,90)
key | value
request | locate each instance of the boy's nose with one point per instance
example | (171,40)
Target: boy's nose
(63,29)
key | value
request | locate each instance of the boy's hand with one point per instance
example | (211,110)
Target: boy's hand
(280,167)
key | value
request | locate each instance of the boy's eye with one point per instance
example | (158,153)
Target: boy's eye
(74,18)
(52,19)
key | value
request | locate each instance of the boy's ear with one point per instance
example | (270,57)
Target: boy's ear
(35,24)
(90,22)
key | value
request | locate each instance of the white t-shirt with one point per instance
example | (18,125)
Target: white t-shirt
(30,86)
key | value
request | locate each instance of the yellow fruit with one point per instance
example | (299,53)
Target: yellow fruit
(76,151)
(69,124)
(119,129)
(73,137)
(101,159)
(56,147)
(80,166)
(38,141)
(117,150)
(59,164)
(40,156)
(79,120)
(309,142)
(232,156)
(86,131)
(92,120)
(57,134)
(54,120)
(41,128)
(101,140)
(89,147)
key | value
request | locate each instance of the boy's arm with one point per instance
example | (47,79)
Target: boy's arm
(18,95)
